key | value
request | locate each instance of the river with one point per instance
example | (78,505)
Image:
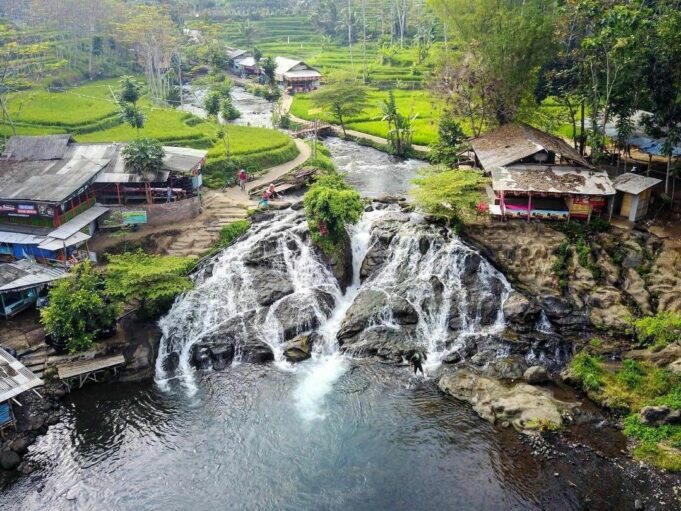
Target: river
(331,433)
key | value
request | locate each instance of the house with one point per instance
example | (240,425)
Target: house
(22,282)
(537,175)
(15,379)
(50,185)
(633,195)
(246,66)
(295,75)
(233,55)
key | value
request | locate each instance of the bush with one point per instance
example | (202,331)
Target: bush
(660,330)
(451,194)
(230,232)
(143,155)
(588,371)
(79,308)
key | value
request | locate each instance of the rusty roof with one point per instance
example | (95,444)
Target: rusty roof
(634,183)
(551,179)
(510,143)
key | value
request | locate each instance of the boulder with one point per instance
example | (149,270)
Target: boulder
(555,307)
(140,358)
(19,445)
(669,357)
(9,460)
(519,310)
(536,375)
(256,352)
(383,342)
(272,285)
(300,312)
(373,303)
(386,198)
(524,406)
(300,348)
(659,415)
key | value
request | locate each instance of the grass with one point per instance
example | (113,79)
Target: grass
(627,388)
(419,103)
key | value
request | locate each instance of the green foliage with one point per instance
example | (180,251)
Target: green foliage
(129,90)
(230,232)
(132,116)
(143,155)
(342,99)
(211,103)
(228,111)
(330,205)
(399,127)
(151,280)
(658,445)
(450,142)
(269,67)
(587,370)
(660,330)
(450,194)
(321,157)
(78,308)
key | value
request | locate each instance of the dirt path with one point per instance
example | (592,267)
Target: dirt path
(197,236)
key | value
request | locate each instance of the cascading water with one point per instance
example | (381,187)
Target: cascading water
(453,292)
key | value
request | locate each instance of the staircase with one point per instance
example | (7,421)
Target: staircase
(35,361)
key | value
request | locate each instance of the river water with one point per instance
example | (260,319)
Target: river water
(330,433)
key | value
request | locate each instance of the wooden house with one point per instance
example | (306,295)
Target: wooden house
(295,75)
(537,175)
(634,193)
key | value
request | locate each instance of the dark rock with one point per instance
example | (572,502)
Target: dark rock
(256,352)
(386,198)
(519,310)
(536,375)
(300,348)
(170,362)
(19,445)
(298,313)
(297,206)
(221,356)
(25,468)
(659,415)
(140,359)
(372,303)
(9,460)
(555,307)
(452,358)
(272,285)
(638,505)
(264,216)
(384,342)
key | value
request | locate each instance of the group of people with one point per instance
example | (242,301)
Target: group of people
(269,194)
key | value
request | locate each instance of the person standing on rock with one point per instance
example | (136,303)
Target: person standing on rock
(416,360)
(243,179)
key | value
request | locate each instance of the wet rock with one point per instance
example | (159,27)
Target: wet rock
(556,308)
(371,304)
(9,460)
(659,415)
(383,342)
(524,406)
(272,285)
(140,358)
(507,368)
(263,216)
(19,445)
(518,310)
(536,375)
(171,361)
(298,313)
(256,352)
(638,505)
(635,287)
(452,358)
(669,357)
(385,198)
(221,356)
(300,348)
(25,468)
(297,206)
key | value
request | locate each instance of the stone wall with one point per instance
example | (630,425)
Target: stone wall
(168,213)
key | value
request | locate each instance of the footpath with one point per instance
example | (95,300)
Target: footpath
(195,237)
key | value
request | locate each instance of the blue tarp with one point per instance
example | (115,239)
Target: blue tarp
(5,414)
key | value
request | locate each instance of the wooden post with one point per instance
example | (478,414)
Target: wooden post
(503,205)
(118,192)
(529,205)
(591,208)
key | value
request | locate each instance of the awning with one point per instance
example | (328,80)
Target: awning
(73,226)
(15,378)
(26,274)
(20,239)
(53,244)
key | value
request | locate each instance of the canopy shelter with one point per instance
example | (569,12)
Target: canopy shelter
(15,379)
(21,283)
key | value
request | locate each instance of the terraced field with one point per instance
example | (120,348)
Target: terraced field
(90,113)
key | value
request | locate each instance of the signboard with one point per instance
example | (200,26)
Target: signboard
(26,210)
(134,217)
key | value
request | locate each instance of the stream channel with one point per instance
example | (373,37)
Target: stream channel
(333,432)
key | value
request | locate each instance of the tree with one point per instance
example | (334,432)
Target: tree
(341,99)
(247,31)
(151,280)
(505,46)
(399,126)
(450,142)
(211,104)
(330,205)
(450,194)
(269,68)
(79,308)
(257,55)
(228,111)
(129,90)
(133,116)
(143,155)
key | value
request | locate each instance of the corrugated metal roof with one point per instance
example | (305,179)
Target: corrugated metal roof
(232,54)
(54,244)
(551,179)
(79,222)
(306,73)
(50,147)
(510,143)
(25,274)
(20,239)
(634,183)
(246,61)
(15,378)
(182,159)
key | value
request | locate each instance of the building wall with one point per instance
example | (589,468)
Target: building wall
(167,213)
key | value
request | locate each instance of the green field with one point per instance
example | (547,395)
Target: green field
(418,103)
(91,115)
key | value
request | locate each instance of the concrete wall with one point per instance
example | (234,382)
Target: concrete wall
(168,213)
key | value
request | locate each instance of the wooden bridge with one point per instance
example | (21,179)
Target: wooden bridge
(312,128)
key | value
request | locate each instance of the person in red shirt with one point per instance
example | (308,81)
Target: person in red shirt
(243,179)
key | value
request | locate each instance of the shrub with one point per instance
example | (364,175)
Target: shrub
(451,194)
(587,369)
(660,330)
(143,155)
(230,232)
(79,308)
